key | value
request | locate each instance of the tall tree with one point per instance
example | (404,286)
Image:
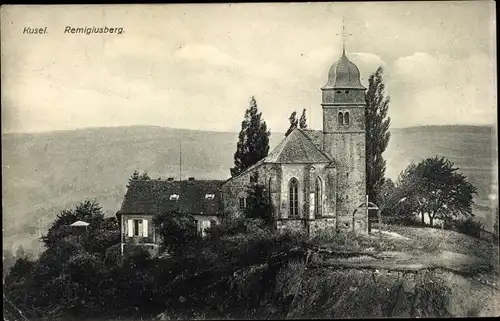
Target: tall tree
(303,120)
(294,123)
(135,176)
(377,134)
(253,140)
(435,188)
(258,202)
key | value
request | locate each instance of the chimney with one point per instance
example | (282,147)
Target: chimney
(191,179)
(170,179)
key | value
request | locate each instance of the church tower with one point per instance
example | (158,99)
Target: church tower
(344,139)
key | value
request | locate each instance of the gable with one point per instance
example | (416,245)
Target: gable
(297,148)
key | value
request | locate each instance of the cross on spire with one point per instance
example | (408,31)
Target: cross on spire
(344,35)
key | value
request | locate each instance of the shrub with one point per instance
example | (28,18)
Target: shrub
(468,226)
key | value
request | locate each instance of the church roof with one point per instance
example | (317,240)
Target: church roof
(344,74)
(316,137)
(158,196)
(301,146)
(297,147)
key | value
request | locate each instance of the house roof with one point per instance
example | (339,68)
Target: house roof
(154,197)
(297,147)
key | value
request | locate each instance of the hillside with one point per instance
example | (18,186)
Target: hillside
(46,172)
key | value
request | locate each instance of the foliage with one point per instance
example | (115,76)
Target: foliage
(177,230)
(294,123)
(303,120)
(137,176)
(144,176)
(467,226)
(377,134)
(434,187)
(258,202)
(253,140)
(87,211)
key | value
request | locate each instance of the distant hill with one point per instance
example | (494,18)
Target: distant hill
(44,173)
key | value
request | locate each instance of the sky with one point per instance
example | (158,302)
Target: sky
(196,66)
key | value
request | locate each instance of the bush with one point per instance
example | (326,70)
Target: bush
(469,227)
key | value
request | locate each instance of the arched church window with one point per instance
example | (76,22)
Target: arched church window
(318,198)
(347,91)
(341,119)
(293,197)
(346,118)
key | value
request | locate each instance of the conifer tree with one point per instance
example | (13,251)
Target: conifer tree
(135,176)
(258,204)
(293,123)
(253,140)
(377,135)
(303,120)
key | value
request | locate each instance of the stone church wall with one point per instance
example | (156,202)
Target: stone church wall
(237,188)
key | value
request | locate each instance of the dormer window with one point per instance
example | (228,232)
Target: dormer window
(174,197)
(209,196)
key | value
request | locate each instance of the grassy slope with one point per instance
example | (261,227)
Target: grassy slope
(44,173)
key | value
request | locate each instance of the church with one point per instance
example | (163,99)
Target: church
(315,179)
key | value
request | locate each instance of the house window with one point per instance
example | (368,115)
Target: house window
(138,227)
(209,196)
(243,203)
(174,197)
(341,119)
(294,198)
(319,197)
(346,118)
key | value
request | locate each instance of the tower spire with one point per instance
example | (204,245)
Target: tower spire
(344,35)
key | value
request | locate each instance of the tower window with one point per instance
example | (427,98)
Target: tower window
(294,198)
(346,118)
(347,91)
(341,118)
(338,91)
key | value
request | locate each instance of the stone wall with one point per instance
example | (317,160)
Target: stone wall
(290,225)
(322,224)
(233,189)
